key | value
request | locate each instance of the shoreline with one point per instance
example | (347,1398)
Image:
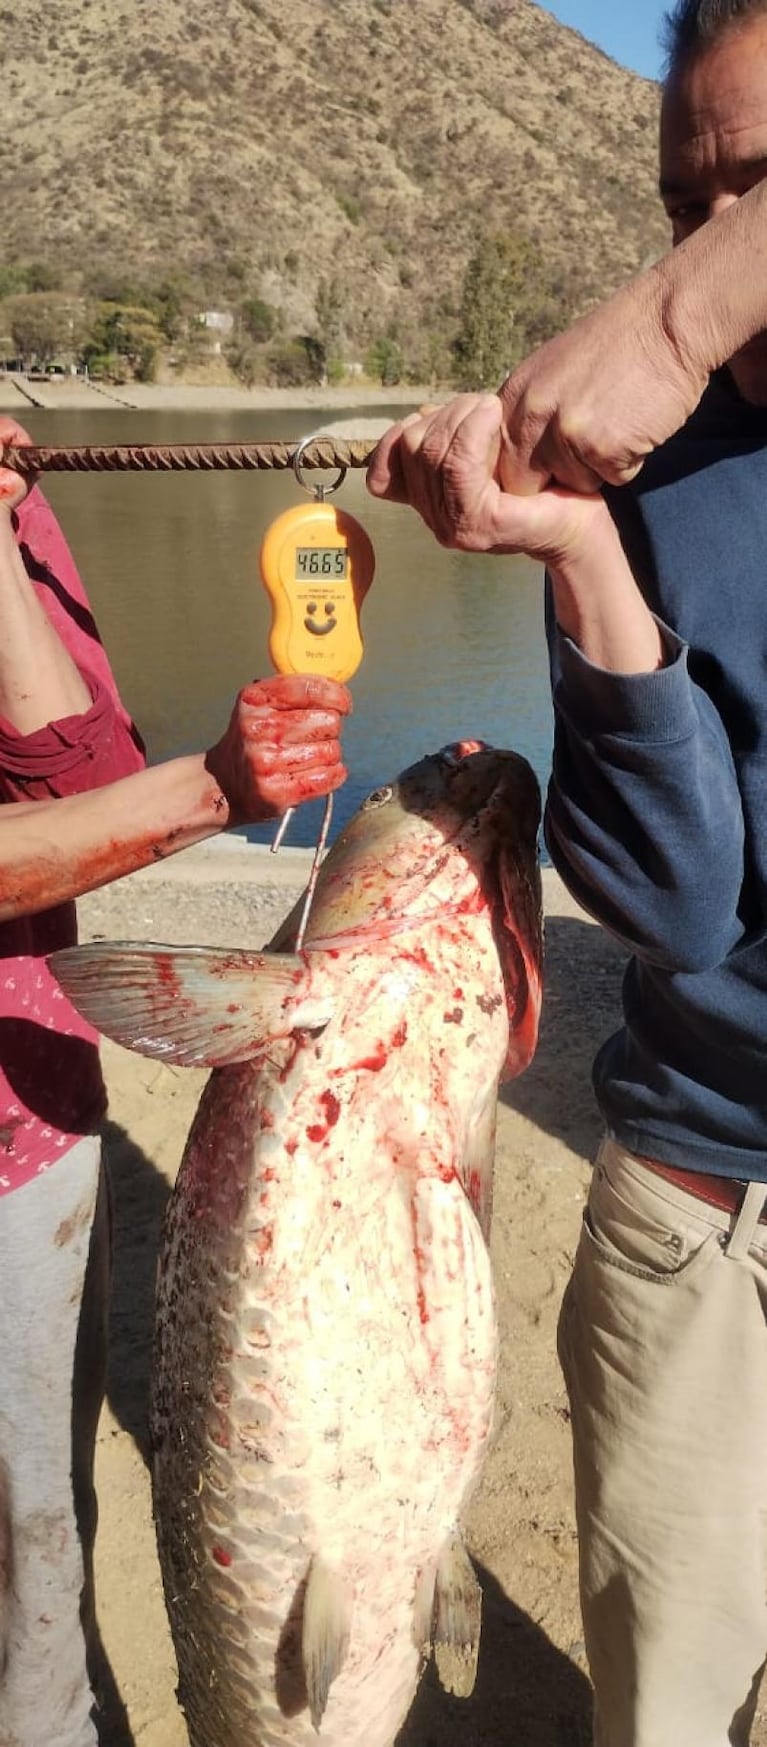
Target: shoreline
(72,394)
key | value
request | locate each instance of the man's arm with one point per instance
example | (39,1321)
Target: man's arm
(644,817)
(592,403)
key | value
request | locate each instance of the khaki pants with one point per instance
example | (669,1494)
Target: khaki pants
(663,1345)
(54,1269)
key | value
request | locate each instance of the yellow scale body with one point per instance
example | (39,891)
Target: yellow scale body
(317,564)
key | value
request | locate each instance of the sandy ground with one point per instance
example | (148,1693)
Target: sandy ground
(532,1690)
(75,395)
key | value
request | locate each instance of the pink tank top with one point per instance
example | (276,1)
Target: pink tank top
(51,1088)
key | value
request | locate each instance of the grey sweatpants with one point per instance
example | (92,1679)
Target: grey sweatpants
(663,1343)
(54,1269)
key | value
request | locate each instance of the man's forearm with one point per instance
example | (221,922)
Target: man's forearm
(713,287)
(599,606)
(51,851)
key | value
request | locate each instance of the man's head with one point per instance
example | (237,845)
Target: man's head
(713,142)
(692,25)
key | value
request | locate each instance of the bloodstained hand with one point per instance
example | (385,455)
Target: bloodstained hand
(282,746)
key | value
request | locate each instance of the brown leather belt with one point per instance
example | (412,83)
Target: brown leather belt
(726,1193)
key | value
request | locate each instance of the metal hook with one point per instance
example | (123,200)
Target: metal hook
(315,867)
(320,492)
(314,873)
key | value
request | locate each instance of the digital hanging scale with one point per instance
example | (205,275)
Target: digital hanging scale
(317,564)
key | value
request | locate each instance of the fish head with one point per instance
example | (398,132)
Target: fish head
(456,832)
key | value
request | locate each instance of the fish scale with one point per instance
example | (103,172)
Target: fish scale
(326,1339)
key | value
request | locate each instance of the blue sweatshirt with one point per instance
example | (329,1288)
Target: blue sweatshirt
(657,807)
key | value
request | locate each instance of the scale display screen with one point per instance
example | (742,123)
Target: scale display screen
(321,561)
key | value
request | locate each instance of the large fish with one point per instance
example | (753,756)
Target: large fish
(326,1335)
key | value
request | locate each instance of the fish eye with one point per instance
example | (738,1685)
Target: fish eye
(377,798)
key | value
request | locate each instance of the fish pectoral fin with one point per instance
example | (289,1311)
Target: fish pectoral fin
(325,1634)
(457,1619)
(423,1612)
(198,1006)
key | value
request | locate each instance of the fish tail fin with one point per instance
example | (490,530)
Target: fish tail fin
(325,1634)
(456,1619)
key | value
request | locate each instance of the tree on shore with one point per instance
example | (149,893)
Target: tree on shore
(503,289)
(125,340)
(43,324)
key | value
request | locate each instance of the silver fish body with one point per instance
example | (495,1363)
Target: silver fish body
(326,1335)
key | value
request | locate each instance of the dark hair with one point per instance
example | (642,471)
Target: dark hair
(692,24)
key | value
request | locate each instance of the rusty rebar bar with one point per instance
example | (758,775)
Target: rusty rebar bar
(321,452)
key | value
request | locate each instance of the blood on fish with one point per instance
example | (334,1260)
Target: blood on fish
(419,1259)
(374,1063)
(221,1556)
(317,1131)
(419,957)
(331,1107)
(454,1016)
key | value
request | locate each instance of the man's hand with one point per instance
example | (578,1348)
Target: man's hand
(281,746)
(592,403)
(13,489)
(443,462)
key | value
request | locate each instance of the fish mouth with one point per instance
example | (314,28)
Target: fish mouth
(458,750)
(509,876)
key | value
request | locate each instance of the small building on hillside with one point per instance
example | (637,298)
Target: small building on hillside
(220,324)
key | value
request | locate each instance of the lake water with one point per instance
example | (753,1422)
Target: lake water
(454,644)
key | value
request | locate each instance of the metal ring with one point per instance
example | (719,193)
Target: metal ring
(315,490)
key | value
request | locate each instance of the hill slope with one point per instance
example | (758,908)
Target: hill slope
(267,145)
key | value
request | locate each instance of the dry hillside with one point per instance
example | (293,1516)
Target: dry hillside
(267,145)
